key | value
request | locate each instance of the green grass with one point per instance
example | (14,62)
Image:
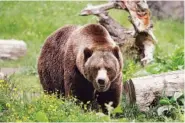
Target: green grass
(34,21)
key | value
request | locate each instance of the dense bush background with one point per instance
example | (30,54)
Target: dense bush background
(21,97)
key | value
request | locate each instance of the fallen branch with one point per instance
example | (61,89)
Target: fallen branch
(96,10)
(145,90)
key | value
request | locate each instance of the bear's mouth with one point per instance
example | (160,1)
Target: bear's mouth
(101,88)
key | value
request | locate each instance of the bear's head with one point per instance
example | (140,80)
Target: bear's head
(102,67)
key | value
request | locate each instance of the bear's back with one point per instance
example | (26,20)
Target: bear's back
(97,34)
(51,58)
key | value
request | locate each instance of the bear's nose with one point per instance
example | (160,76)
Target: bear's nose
(101,81)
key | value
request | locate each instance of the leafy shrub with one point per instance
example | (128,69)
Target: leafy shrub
(166,109)
(172,107)
(170,62)
(15,106)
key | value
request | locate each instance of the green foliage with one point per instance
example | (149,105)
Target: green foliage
(130,67)
(166,109)
(34,107)
(172,107)
(170,62)
(41,117)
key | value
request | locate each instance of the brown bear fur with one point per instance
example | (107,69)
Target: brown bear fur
(69,61)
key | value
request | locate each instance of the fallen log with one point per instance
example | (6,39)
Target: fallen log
(12,49)
(143,91)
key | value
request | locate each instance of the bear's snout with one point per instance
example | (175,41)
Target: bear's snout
(102,80)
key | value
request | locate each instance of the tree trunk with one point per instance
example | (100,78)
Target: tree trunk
(12,49)
(144,91)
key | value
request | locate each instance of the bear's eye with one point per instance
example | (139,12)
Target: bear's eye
(108,69)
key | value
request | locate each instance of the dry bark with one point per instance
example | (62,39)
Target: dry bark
(12,49)
(144,91)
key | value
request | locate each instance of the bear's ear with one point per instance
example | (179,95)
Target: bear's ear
(116,52)
(87,53)
(118,55)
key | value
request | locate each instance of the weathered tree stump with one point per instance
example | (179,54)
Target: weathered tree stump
(12,49)
(143,91)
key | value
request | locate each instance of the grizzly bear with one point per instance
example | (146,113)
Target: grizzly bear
(82,61)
